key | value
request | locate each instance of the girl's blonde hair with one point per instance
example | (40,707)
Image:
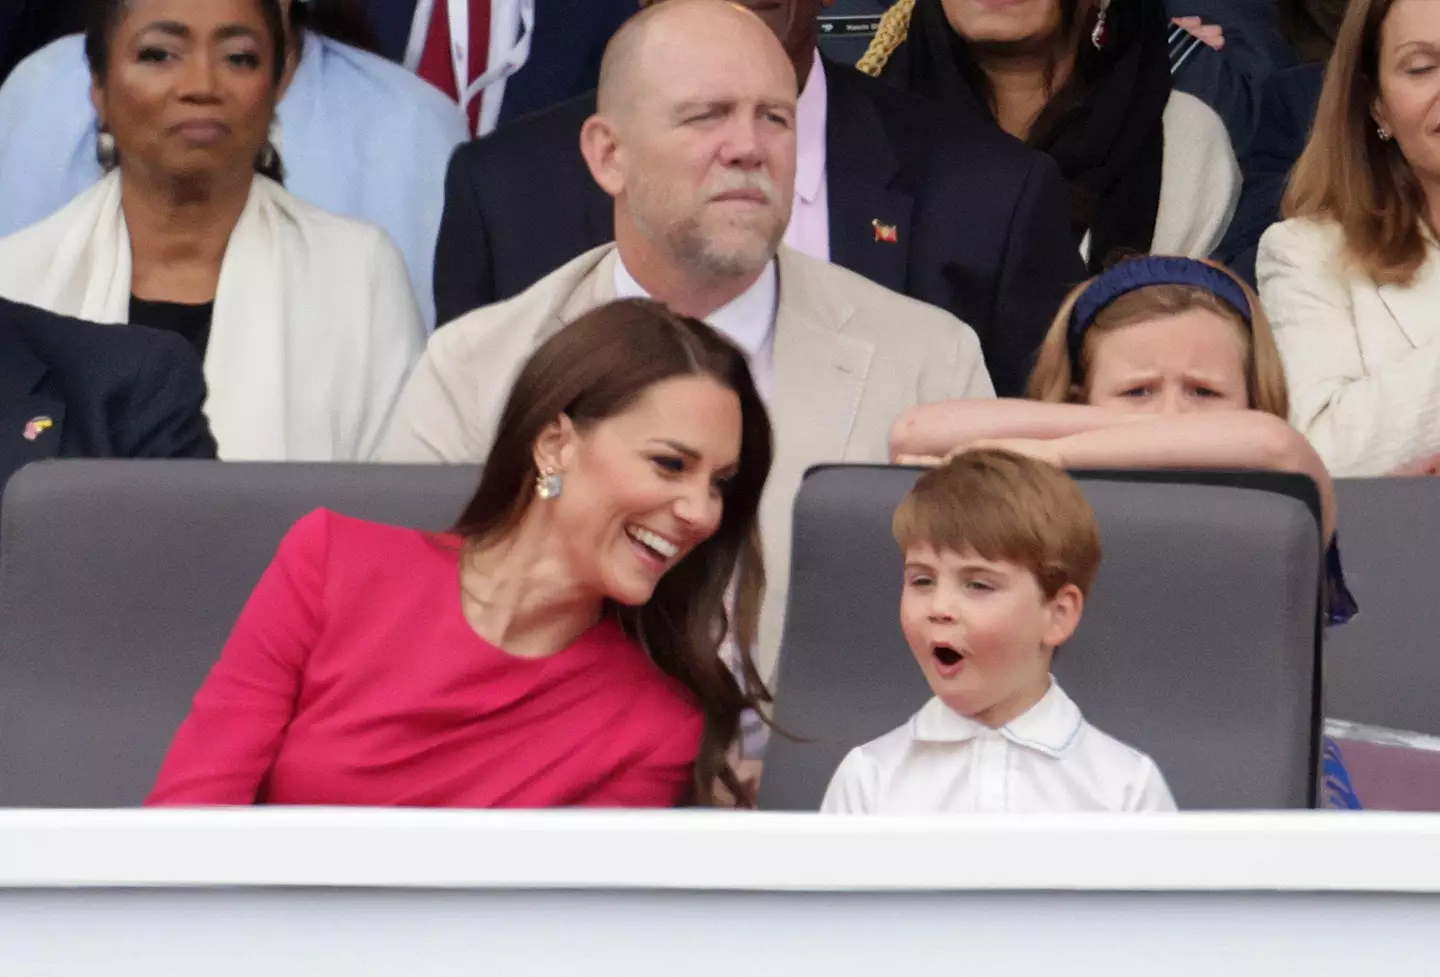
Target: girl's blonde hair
(1058,380)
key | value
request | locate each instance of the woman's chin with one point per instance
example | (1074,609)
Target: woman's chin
(630,593)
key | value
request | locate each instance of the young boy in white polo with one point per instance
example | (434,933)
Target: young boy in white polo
(1000,551)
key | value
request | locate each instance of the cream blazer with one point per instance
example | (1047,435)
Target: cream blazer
(315,324)
(1361,359)
(850,356)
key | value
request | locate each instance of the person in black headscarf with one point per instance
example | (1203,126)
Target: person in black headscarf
(1088,82)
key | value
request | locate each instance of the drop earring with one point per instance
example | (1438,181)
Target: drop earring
(547,484)
(1100,35)
(105,153)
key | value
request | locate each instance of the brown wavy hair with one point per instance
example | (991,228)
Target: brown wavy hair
(596,368)
(1056,380)
(1348,174)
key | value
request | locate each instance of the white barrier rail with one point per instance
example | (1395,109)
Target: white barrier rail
(316,892)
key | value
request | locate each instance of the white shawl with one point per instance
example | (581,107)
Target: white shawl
(315,325)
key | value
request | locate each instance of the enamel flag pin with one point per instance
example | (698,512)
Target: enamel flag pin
(885,233)
(37,426)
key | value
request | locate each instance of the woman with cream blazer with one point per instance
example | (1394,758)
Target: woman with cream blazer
(1362,360)
(1351,279)
(314,330)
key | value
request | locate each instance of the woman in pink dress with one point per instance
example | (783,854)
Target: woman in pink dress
(559,647)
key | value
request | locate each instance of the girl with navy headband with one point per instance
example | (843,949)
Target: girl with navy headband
(1160,362)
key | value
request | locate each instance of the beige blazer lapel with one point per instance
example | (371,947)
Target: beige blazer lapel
(820,377)
(1416,307)
(593,291)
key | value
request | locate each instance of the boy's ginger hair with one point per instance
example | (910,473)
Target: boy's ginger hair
(1006,506)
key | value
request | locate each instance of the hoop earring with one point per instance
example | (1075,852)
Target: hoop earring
(105,153)
(548,484)
(1100,36)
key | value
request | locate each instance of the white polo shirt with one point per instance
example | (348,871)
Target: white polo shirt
(1048,760)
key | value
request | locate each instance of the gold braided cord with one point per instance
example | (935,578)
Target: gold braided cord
(894,28)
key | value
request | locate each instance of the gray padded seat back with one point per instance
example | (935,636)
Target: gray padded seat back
(1383,668)
(119,583)
(1198,644)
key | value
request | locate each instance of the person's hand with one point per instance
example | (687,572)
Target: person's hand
(1045,451)
(1421,467)
(925,461)
(1211,34)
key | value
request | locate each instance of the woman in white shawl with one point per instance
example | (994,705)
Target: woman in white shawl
(306,320)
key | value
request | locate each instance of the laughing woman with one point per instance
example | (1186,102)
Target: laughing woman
(307,321)
(560,647)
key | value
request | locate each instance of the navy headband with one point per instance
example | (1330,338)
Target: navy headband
(1137,273)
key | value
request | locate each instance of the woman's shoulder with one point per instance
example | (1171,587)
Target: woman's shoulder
(341,240)
(57,224)
(1301,240)
(314,220)
(325,533)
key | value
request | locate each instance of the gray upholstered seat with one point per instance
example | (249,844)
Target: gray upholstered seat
(1198,644)
(119,582)
(1383,668)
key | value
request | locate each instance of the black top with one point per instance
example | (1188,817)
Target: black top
(189,322)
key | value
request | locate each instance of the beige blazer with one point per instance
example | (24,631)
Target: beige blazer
(850,356)
(1361,359)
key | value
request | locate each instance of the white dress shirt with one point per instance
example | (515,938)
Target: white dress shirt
(1048,760)
(748,320)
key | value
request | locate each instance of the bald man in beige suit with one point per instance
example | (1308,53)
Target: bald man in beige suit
(695,140)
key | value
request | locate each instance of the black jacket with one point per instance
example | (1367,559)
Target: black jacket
(981,221)
(1287,113)
(73,389)
(28,25)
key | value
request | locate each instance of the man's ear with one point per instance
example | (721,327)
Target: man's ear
(1063,610)
(556,446)
(600,145)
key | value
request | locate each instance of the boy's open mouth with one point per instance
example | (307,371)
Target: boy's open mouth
(947,656)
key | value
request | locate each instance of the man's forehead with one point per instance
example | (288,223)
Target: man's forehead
(716,77)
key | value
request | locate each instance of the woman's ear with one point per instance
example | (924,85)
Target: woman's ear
(556,446)
(1378,113)
(1077,394)
(97,101)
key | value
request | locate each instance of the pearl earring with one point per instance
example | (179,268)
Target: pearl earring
(547,484)
(105,153)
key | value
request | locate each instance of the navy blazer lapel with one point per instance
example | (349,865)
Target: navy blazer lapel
(31,422)
(869,217)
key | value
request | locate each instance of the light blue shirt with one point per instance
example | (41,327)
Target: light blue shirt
(360,137)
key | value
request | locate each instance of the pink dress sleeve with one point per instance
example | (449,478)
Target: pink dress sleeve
(231,738)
